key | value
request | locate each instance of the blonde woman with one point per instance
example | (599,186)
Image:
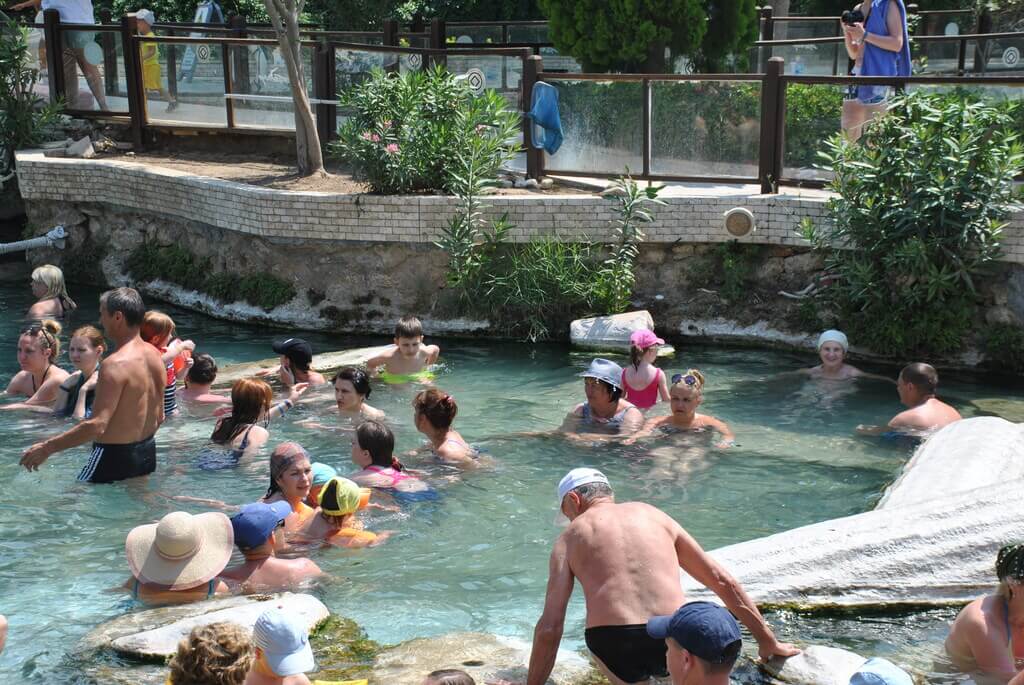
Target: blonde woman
(40,378)
(52,299)
(685,395)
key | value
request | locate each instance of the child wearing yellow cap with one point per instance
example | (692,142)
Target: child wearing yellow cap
(335,521)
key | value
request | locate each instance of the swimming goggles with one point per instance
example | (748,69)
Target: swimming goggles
(689,379)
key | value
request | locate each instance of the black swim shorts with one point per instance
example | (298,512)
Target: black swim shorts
(109,463)
(629,652)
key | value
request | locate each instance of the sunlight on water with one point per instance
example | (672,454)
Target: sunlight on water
(476,558)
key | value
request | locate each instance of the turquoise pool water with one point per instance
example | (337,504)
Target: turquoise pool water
(476,558)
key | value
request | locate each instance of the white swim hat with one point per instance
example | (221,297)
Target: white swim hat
(832,335)
(578,477)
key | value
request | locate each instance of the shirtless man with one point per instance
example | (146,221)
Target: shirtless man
(627,558)
(128,407)
(255,529)
(916,387)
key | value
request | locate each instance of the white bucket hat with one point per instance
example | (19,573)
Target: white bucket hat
(182,550)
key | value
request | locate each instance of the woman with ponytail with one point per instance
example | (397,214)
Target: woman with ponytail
(373,451)
(434,413)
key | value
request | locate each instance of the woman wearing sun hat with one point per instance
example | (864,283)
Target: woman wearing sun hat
(178,559)
(605,411)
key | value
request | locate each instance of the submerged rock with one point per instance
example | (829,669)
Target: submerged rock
(485,657)
(1006,407)
(155,633)
(816,665)
(965,455)
(324,363)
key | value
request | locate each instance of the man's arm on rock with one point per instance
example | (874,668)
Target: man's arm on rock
(548,633)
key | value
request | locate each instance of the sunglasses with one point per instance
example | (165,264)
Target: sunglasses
(689,379)
(35,330)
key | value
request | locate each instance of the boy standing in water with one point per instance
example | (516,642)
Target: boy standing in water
(410,355)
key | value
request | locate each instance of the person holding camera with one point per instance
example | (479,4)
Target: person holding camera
(875,34)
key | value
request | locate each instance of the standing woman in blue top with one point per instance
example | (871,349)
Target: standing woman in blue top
(879,46)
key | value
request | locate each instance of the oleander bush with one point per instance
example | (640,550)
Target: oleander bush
(404,132)
(922,201)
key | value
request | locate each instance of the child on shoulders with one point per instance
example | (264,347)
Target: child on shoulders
(642,381)
(158,330)
(409,356)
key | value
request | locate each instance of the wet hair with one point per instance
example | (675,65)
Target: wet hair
(439,408)
(213,654)
(357,377)
(45,334)
(156,327)
(283,456)
(450,676)
(924,377)
(53,278)
(636,355)
(1010,562)
(92,334)
(697,376)
(377,439)
(408,327)
(250,398)
(204,370)
(127,301)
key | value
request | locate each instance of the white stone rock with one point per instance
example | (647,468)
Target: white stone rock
(485,657)
(609,332)
(81,148)
(547,183)
(723,329)
(965,455)
(938,552)
(162,642)
(326,362)
(816,665)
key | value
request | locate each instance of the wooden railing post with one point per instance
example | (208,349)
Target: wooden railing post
(239,54)
(767,33)
(437,41)
(390,29)
(323,90)
(532,65)
(54,56)
(109,56)
(773,125)
(133,77)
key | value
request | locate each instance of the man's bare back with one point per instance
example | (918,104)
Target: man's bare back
(624,556)
(932,414)
(135,379)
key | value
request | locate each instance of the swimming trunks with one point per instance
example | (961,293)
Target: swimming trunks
(629,652)
(399,378)
(647,397)
(110,463)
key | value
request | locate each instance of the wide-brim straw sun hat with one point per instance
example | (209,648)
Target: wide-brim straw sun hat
(182,550)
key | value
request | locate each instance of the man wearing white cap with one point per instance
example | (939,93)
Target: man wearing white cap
(627,558)
(283,654)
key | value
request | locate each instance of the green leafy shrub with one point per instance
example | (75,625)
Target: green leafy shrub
(174,264)
(406,130)
(922,200)
(24,116)
(1003,345)
(737,268)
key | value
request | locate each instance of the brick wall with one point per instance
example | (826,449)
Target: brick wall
(408,219)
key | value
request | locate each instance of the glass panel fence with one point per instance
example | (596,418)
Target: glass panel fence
(806,28)
(555,62)
(935,58)
(186,85)
(37,59)
(261,93)
(474,34)
(481,72)
(705,128)
(813,114)
(602,124)
(93,70)
(354,66)
(943,24)
(528,33)
(810,59)
(1001,56)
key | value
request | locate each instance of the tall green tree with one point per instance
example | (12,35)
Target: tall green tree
(649,35)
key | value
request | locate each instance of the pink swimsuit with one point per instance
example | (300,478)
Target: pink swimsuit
(395,476)
(646,397)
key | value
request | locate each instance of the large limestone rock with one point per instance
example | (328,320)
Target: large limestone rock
(965,455)
(485,657)
(937,552)
(816,665)
(611,333)
(155,633)
(324,363)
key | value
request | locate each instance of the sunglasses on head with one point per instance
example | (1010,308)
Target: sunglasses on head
(37,329)
(689,379)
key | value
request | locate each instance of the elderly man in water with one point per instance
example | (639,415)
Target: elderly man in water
(627,558)
(128,407)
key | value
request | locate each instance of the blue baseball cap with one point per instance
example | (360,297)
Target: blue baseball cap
(704,629)
(256,521)
(322,473)
(877,671)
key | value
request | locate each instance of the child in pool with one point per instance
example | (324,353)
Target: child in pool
(158,330)
(687,393)
(410,356)
(642,381)
(373,447)
(434,412)
(335,521)
(198,381)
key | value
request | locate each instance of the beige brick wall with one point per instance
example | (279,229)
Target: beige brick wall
(409,219)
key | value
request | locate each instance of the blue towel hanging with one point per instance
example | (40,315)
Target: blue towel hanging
(547,125)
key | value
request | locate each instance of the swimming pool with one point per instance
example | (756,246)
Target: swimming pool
(476,558)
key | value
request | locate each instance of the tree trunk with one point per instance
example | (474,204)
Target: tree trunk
(780,8)
(284,15)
